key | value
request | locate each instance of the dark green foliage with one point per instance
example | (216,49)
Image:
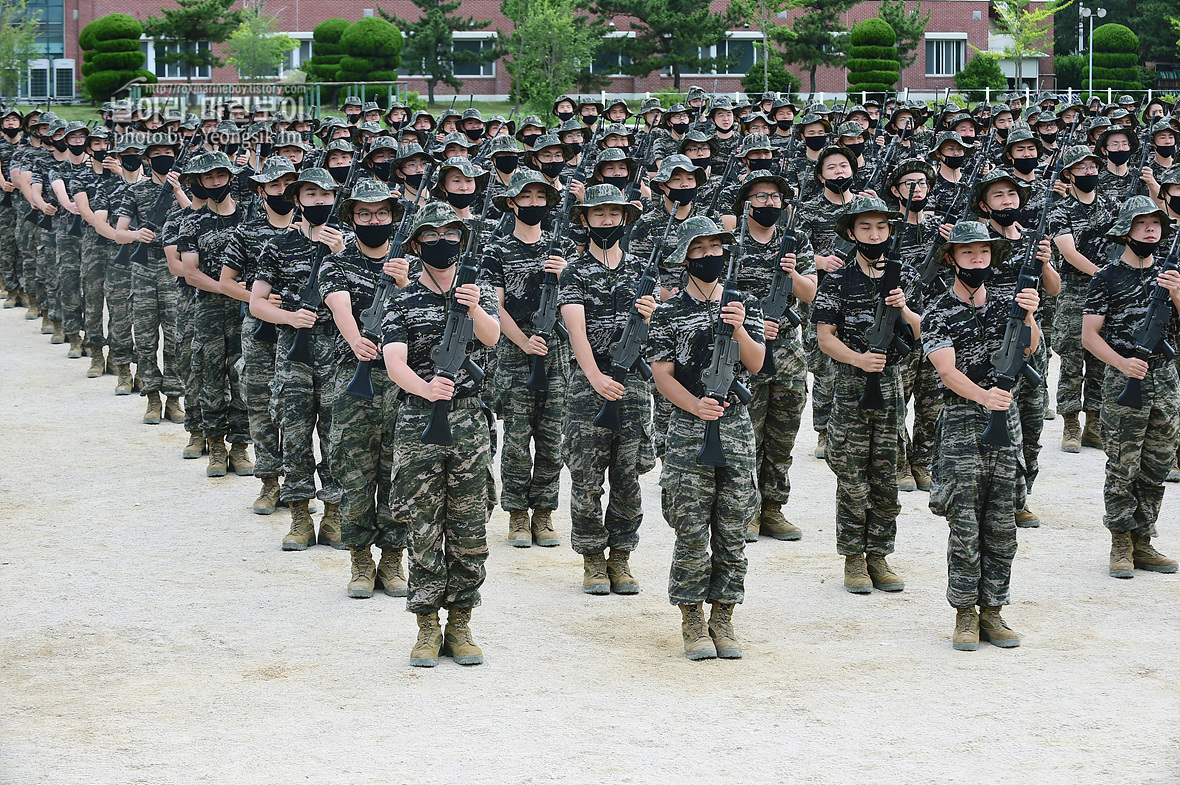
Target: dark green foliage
(191,21)
(866,72)
(1071,70)
(111,56)
(873,52)
(860,64)
(324,65)
(873,32)
(982,71)
(371,45)
(329,31)
(1116,58)
(431,42)
(779,79)
(1115,38)
(117,45)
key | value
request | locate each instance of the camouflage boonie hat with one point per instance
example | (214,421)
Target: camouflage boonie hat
(532,121)
(1125,100)
(909,166)
(616,129)
(339,146)
(190,122)
(1077,154)
(965,118)
(860,206)
(613,102)
(98,132)
(370,106)
(436,215)
(471,114)
(273,168)
(755,142)
(1171,176)
(419,115)
(459,138)
(75,126)
(328,124)
(573,126)
(408,151)
(352,100)
(503,144)
(588,102)
(698,137)
(499,118)
(467,168)
(1111,130)
(665,119)
(520,179)
(604,195)
(979,192)
(55,127)
(1119,115)
(161,140)
(721,102)
(673,162)
(650,105)
(290,139)
(1161,126)
(551,140)
(612,155)
(694,92)
(131,141)
(1022,134)
(1137,207)
(210,161)
(999,109)
(370,191)
(780,101)
(380,143)
(850,128)
(692,229)
(561,98)
(373,128)
(953,136)
(314,175)
(1042,118)
(785,188)
(810,119)
(973,232)
(45,118)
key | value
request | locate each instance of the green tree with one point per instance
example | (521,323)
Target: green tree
(909,26)
(1157,42)
(1070,71)
(256,48)
(1116,58)
(372,50)
(872,60)
(551,46)
(1027,22)
(191,22)
(773,76)
(324,64)
(18,44)
(111,56)
(982,71)
(817,37)
(430,49)
(765,13)
(668,34)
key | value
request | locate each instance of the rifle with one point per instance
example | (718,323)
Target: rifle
(160,209)
(453,353)
(1136,180)
(625,352)
(777,303)
(884,332)
(361,385)
(309,294)
(931,268)
(721,186)
(719,378)
(1149,338)
(545,318)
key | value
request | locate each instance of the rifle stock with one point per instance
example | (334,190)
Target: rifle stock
(776,304)
(1149,337)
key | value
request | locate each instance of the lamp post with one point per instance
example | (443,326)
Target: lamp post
(1089,14)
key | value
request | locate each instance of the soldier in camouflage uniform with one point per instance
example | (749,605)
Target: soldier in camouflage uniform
(10,256)
(504,153)
(95,249)
(362,438)
(674,125)
(1140,442)
(45,200)
(726,134)
(69,247)
(440,490)
(974,485)
(862,442)
(24,160)
(810,140)
(707,506)
(598,291)
(303,392)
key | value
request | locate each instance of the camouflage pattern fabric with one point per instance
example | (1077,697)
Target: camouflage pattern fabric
(649,228)
(191,373)
(531,481)
(303,400)
(154,319)
(285,263)
(47,271)
(11,259)
(117,293)
(919,383)
(257,378)
(96,251)
(1080,385)
(1031,402)
(68,268)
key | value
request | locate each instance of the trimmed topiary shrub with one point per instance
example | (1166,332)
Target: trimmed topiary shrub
(111,55)
(872,62)
(324,65)
(371,46)
(1116,58)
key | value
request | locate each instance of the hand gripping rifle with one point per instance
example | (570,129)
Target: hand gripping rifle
(625,353)
(361,385)
(777,303)
(1136,178)
(719,378)
(1149,338)
(453,353)
(163,203)
(887,319)
(932,267)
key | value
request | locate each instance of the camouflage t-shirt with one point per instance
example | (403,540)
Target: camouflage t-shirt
(285,263)
(245,244)
(206,234)
(1121,293)
(359,275)
(682,333)
(757,269)
(136,201)
(974,333)
(1087,224)
(648,230)
(847,299)
(518,269)
(606,294)
(817,220)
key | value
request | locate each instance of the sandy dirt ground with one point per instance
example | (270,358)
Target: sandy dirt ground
(151,631)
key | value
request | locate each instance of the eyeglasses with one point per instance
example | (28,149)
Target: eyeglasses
(430,237)
(1084,170)
(367,216)
(695,149)
(764,198)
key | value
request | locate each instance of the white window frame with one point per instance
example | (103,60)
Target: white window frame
(293,58)
(619,68)
(943,39)
(150,63)
(753,37)
(466,35)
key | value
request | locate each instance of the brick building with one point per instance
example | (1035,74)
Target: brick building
(955,27)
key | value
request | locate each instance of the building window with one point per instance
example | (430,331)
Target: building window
(155,52)
(611,63)
(50,27)
(945,57)
(473,45)
(737,49)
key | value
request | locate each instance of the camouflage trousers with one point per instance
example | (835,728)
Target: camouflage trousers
(10,255)
(662,414)
(363,451)
(593,454)
(190,372)
(823,377)
(862,452)
(26,248)
(69,274)
(709,507)
(154,319)
(531,481)
(919,382)
(257,377)
(439,492)
(972,486)
(1080,385)
(1031,402)
(117,293)
(95,253)
(303,400)
(1045,316)
(1140,448)
(47,272)
(775,413)
(217,347)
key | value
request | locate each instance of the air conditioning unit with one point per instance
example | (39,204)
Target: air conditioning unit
(39,84)
(63,79)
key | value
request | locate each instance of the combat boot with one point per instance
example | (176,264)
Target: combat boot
(921,477)
(239,460)
(12,300)
(172,410)
(1050,413)
(594,575)
(196,446)
(721,631)
(994,629)
(1092,435)
(155,411)
(1071,434)
(821,444)
(774,524)
(268,497)
(217,457)
(59,333)
(1027,519)
(330,527)
(33,310)
(123,383)
(360,584)
(543,532)
(302,534)
(752,530)
(75,351)
(697,643)
(966,636)
(1174,473)
(457,638)
(905,480)
(1146,557)
(882,575)
(519,534)
(390,576)
(856,575)
(1122,564)
(618,570)
(46,324)
(98,365)
(430,639)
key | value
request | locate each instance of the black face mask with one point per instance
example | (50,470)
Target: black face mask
(872,251)
(219,193)
(1174,204)
(265,149)
(589,119)
(231,148)
(815,143)
(1005,217)
(954,161)
(353,117)
(529,139)
(305,136)
(707,268)
(759,164)
(681,128)
(563,116)
(618,182)
(279,204)
(317,214)
(59,145)
(442,255)
(682,195)
(857,148)
(606,237)
(380,169)
(99,155)
(1165,150)
(1049,139)
(198,190)
(162,164)
(531,215)
(506,164)
(1085,183)
(1002,133)
(1024,165)
(473,133)
(1143,249)
(552,168)
(373,235)
(766,216)
(984,122)
(12,133)
(460,201)
(339,173)
(873,122)
(414,180)
(784,125)
(917,205)
(838,185)
(575,147)
(1118,157)
(704,163)
(973,278)
(77,149)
